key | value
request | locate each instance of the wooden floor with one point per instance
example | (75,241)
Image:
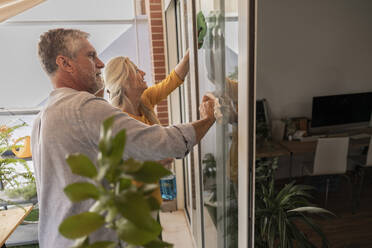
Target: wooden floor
(347,230)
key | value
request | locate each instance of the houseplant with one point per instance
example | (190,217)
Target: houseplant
(121,205)
(10,177)
(278,211)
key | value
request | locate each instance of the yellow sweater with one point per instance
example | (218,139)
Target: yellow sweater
(156,93)
(152,96)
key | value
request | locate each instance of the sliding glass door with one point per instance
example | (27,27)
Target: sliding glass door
(216,68)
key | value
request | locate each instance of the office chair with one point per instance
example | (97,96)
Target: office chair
(362,163)
(330,159)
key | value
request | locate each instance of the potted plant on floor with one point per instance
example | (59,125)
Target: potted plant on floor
(278,211)
(121,206)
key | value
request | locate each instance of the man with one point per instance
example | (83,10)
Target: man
(70,123)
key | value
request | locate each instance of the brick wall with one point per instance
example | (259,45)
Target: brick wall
(154,10)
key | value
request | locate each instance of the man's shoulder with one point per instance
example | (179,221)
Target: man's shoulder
(70,97)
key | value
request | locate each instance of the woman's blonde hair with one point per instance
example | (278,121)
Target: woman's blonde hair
(118,73)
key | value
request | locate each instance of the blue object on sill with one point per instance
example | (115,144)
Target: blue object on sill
(168,187)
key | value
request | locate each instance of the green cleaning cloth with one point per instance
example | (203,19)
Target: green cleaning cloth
(201,26)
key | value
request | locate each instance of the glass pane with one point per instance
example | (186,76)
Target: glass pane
(218,74)
(312,73)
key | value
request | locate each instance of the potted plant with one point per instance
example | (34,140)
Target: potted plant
(278,211)
(10,177)
(121,205)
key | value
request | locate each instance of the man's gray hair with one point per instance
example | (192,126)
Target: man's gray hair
(56,42)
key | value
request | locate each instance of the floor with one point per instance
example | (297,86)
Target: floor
(347,229)
(176,229)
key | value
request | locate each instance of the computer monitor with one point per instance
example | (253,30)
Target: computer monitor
(331,113)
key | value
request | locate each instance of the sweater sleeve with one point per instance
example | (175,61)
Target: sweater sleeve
(143,142)
(154,94)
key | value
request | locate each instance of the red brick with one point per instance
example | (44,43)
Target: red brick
(159,63)
(156,10)
(156,22)
(155,1)
(164,120)
(158,57)
(156,15)
(158,50)
(157,29)
(155,7)
(162,108)
(163,105)
(157,43)
(157,37)
(160,70)
(159,78)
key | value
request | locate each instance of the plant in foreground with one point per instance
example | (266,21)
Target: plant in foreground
(119,204)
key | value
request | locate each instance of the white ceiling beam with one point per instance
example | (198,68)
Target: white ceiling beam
(10,8)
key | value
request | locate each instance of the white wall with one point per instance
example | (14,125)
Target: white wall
(312,48)
(23,82)
(79,10)
(126,45)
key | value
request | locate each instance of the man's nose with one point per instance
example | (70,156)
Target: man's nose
(99,63)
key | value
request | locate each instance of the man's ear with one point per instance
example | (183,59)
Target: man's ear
(64,63)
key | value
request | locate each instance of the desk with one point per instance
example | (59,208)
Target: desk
(9,220)
(289,148)
(298,147)
(271,149)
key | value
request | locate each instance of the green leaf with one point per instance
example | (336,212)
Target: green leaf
(102,244)
(151,172)
(111,214)
(81,242)
(105,135)
(153,203)
(77,192)
(149,188)
(131,166)
(135,235)
(81,225)
(312,210)
(81,165)
(107,124)
(158,244)
(134,207)
(118,144)
(125,183)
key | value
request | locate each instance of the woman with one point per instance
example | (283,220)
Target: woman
(128,91)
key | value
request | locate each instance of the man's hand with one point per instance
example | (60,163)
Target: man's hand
(207,108)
